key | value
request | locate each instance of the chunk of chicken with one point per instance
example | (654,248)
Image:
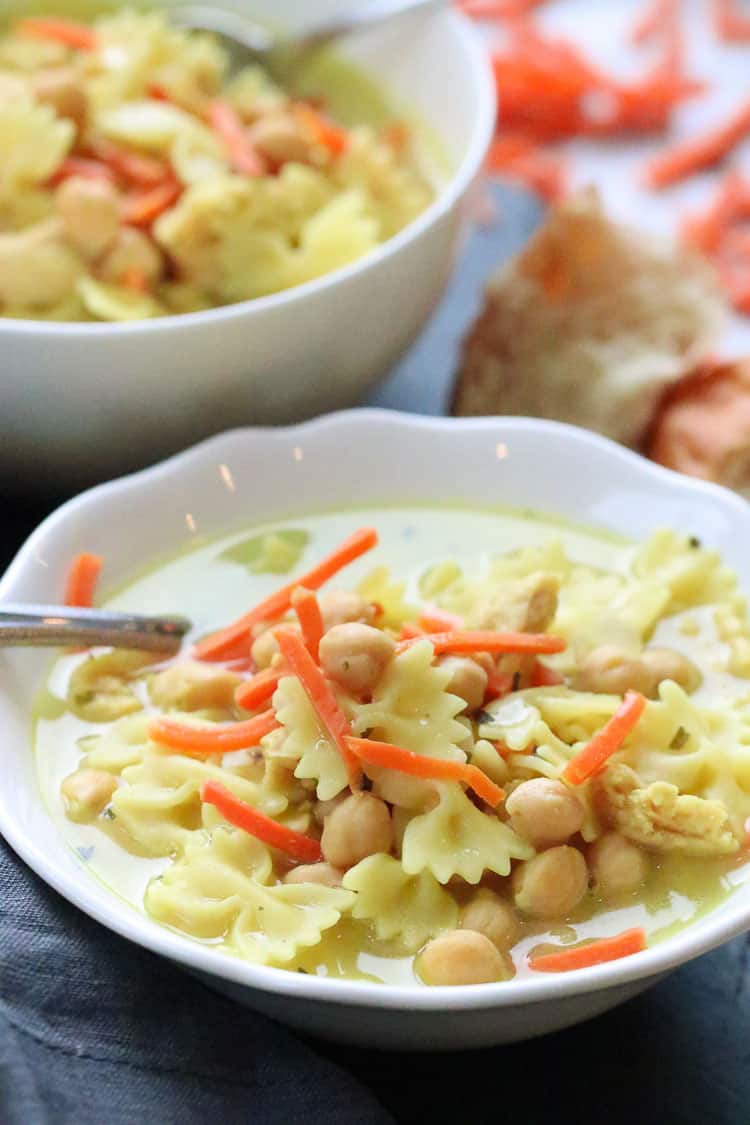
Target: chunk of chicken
(101,688)
(660,817)
(192,686)
(527,605)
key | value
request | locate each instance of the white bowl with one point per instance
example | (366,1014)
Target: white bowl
(336,461)
(82,401)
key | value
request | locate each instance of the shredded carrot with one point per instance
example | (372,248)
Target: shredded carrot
(221,738)
(143,208)
(498,9)
(255,692)
(396,135)
(226,640)
(692,156)
(704,232)
(730,24)
(141,171)
(499,684)
(242,815)
(656,19)
(406,761)
(159,93)
(544,676)
(323,131)
(306,606)
(592,953)
(71,34)
(82,578)
(439,621)
(522,160)
(410,630)
(83,168)
(227,123)
(605,742)
(478,641)
(320,693)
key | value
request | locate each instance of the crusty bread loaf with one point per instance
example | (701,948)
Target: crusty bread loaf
(703,428)
(589,324)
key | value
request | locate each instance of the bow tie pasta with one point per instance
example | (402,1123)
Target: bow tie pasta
(140,178)
(526,754)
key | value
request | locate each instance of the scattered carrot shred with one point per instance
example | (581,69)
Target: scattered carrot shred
(605,742)
(498,9)
(730,25)
(305,605)
(220,645)
(83,167)
(406,761)
(302,848)
(593,953)
(320,693)
(698,153)
(499,684)
(135,279)
(68,32)
(439,621)
(82,578)
(479,641)
(519,159)
(226,122)
(138,169)
(221,738)
(656,19)
(544,676)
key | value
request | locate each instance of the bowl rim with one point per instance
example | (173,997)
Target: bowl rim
(468,40)
(705,934)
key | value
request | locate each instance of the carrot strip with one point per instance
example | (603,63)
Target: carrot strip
(295,844)
(694,155)
(593,953)
(605,742)
(243,156)
(410,631)
(498,9)
(306,606)
(498,685)
(479,641)
(221,738)
(730,25)
(320,693)
(657,18)
(406,761)
(142,208)
(544,676)
(704,232)
(218,644)
(71,34)
(143,171)
(82,167)
(82,578)
(323,131)
(255,692)
(135,279)
(439,621)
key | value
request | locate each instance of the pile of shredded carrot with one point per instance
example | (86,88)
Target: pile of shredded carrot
(550,93)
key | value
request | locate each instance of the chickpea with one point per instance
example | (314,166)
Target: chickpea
(544,812)
(322,809)
(360,826)
(355,655)
(90,214)
(667,664)
(322,873)
(462,957)
(192,686)
(490,915)
(468,680)
(551,884)
(618,867)
(62,90)
(614,670)
(279,137)
(131,251)
(339,607)
(86,792)
(263,649)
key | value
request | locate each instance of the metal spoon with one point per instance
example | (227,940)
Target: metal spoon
(279,52)
(54,625)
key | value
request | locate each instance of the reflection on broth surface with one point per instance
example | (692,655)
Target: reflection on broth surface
(515,737)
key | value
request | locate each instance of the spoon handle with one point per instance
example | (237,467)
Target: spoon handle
(51,626)
(361,16)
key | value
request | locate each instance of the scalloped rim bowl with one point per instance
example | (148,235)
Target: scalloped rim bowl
(333,462)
